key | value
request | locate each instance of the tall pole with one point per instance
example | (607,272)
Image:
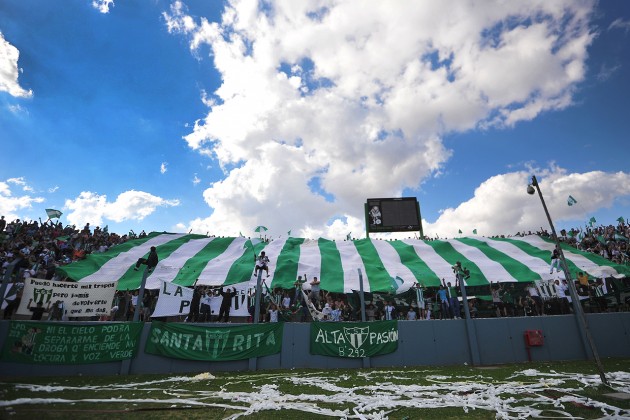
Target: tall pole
(258,296)
(575,299)
(136,314)
(361,295)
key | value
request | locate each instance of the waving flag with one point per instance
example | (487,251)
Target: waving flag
(571,201)
(592,221)
(185,258)
(53,214)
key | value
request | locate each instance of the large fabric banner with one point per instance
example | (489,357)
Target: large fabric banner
(79,299)
(174,300)
(358,339)
(70,343)
(191,342)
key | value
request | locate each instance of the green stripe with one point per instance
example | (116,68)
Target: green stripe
(409,257)
(543,254)
(191,270)
(243,268)
(332,277)
(380,280)
(517,269)
(594,258)
(93,262)
(287,268)
(450,254)
(131,279)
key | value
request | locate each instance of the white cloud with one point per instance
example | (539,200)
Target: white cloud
(619,23)
(21,182)
(163,167)
(102,5)
(355,99)
(10,204)
(500,205)
(130,205)
(9,71)
(196,180)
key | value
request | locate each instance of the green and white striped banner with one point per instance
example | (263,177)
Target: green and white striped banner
(225,261)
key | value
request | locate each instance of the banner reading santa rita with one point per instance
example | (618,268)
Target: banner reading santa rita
(359,339)
(182,341)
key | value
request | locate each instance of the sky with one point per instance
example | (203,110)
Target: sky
(218,117)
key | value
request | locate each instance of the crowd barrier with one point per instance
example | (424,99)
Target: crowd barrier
(419,343)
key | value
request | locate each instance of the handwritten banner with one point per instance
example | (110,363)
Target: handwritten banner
(80,299)
(70,343)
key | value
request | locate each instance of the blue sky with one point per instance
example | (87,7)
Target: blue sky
(219,117)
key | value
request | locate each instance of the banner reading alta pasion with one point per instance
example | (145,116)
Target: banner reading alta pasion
(214,343)
(358,339)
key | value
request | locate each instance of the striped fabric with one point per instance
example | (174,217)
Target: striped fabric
(224,261)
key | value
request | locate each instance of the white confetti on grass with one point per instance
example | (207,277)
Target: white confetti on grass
(525,394)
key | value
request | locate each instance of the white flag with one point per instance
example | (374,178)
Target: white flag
(173,300)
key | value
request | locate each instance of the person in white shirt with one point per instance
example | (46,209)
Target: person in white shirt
(561,292)
(389,311)
(273,313)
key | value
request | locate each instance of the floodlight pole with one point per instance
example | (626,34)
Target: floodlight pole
(575,299)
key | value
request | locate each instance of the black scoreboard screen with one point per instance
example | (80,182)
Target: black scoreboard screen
(393,215)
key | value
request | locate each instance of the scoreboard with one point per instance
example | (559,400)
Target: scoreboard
(393,215)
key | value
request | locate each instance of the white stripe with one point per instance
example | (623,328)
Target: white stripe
(167,269)
(432,259)
(216,271)
(310,263)
(489,268)
(583,263)
(537,265)
(350,262)
(393,264)
(115,268)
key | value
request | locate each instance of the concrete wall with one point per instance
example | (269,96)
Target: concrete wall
(421,343)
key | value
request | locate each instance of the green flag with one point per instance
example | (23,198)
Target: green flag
(356,339)
(229,342)
(53,214)
(571,201)
(66,343)
(592,221)
(620,219)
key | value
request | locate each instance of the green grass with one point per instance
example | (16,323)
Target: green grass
(554,389)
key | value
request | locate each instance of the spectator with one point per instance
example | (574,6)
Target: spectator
(226,303)
(262,264)
(151,261)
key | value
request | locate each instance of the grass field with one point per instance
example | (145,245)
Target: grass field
(543,390)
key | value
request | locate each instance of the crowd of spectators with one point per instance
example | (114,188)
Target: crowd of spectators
(36,249)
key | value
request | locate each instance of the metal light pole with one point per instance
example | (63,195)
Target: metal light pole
(575,300)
